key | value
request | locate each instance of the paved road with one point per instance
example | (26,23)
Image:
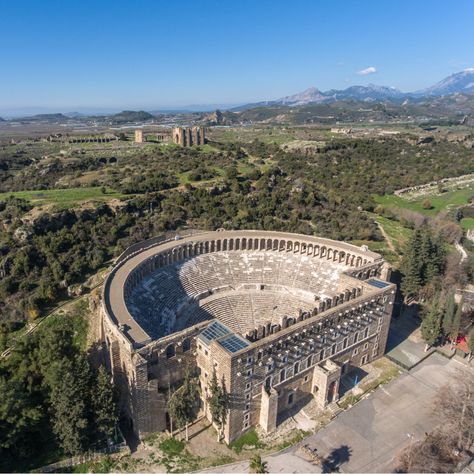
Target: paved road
(368,437)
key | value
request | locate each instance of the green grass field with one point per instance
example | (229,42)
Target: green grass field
(439,203)
(467,223)
(65,198)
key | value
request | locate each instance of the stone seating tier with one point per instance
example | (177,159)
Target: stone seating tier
(247,289)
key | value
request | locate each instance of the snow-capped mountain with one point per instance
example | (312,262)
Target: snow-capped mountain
(311,95)
(461,82)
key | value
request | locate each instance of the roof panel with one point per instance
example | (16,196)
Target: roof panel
(377,283)
(233,343)
(215,330)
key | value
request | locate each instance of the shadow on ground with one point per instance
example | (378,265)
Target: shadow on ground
(336,458)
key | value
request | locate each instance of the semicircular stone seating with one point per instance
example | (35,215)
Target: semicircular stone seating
(243,289)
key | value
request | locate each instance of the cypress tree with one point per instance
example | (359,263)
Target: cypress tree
(448,314)
(470,341)
(431,324)
(454,333)
(218,401)
(411,267)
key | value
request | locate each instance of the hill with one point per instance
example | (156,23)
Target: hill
(52,118)
(130,116)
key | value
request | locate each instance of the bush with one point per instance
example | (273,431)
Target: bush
(426,204)
(248,439)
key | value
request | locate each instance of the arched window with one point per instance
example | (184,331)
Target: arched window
(186,345)
(170,351)
(297,368)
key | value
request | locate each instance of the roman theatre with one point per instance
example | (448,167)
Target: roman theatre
(279,316)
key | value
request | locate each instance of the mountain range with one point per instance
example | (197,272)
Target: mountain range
(461,82)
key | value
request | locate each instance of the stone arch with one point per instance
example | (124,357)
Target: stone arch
(275,245)
(231,244)
(289,245)
(316,250)
(323,251)
(186,346)
(170,351)
(262,244)
(358,261)
(244,243)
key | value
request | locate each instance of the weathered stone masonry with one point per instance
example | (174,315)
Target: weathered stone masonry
(274,359)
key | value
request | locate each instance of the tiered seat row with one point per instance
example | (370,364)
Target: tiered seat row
(167,299)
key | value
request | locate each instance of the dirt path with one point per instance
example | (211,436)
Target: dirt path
(386,237)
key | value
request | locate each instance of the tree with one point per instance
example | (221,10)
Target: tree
(69,407)
(103,404)
(182,403)
(431,324)
(410,267)
(470,342)
(456,324)
(257,465)
(218,403)
(20,421)
(448,314)
(454,408)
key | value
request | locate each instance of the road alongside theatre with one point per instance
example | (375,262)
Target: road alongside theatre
(368,437)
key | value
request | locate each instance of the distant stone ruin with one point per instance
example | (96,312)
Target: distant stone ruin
(138,136)
(188,136)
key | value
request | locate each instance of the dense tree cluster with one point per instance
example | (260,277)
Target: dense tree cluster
(253,185)
(40,260)
(51,398)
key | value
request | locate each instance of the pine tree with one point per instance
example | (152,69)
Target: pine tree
(103,405)
(70,410)
(182,403)
(431,324)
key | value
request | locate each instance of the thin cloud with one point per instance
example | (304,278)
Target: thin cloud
(367,71)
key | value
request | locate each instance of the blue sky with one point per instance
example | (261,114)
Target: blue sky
(70,54)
